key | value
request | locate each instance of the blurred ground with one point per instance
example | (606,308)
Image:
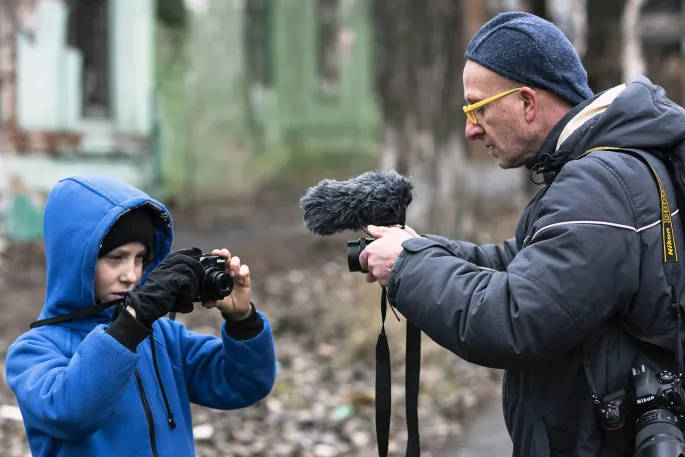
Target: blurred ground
(484,434)
(325,321)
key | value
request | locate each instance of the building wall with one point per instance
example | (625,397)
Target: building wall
(45,137)
(222,133)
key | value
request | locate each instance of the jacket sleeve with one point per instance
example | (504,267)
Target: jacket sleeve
(487,256)
(225,373)
(68,397)
(581,265)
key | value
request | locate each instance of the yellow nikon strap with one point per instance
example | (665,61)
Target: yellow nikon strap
(667,234)
(671,265)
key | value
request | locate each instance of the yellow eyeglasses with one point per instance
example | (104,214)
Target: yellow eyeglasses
(468,109)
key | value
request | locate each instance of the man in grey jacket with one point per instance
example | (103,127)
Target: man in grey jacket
(583,279)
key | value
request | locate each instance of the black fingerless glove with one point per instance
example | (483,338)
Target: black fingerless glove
(171,286)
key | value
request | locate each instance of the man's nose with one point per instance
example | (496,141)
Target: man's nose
(473,131)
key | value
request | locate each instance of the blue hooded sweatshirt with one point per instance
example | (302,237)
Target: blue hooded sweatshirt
(80,391)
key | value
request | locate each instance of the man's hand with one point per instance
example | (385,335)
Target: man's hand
(236,306)
(380,256)
(411,231)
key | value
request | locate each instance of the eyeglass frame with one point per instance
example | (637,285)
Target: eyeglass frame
(469,108)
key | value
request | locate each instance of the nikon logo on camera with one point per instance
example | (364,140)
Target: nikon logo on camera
(645,399)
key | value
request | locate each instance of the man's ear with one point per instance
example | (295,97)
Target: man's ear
(530,103)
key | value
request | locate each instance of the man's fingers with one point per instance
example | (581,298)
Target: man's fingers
(411,231)
(376,231)
(364,259)
(370,278)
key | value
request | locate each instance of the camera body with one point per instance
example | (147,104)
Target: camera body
(355,247)
(217,283)
(649,412)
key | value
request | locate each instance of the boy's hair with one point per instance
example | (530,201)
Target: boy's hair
(134,225)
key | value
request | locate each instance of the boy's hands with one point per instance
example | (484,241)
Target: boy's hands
(237,305)
(171,284)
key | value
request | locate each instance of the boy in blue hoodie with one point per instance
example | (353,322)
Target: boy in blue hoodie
(118,380)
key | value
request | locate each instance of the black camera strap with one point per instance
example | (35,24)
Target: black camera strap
(80,313)
(412,376)
(671,268)
(384,385)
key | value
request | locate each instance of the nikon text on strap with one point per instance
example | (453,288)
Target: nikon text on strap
(383,386)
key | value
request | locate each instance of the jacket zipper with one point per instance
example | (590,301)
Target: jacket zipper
(148,413)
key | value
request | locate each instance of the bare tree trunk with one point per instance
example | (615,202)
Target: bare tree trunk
(633,59)
(662,45)
(536,7)
(418,78)
(681,99)
(578,20)
(605,48)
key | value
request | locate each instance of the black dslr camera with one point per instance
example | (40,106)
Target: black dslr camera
(217,284)
(651,409)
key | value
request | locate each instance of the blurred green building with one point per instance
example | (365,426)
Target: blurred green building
(190,100)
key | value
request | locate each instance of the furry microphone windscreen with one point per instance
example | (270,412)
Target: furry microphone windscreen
(374,197)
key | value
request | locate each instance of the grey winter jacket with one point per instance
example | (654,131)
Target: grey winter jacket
(585,267)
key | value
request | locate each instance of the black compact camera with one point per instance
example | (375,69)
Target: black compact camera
(648,413)
(354,249)
(217,283)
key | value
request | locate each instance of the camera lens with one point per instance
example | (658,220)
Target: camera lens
(354,249)
(218,284)
(658,435)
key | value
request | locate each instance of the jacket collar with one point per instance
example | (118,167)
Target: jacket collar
(560,145)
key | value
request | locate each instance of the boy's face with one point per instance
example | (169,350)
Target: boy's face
(119,271)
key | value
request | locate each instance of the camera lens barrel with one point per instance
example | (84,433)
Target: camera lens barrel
(658,435)
(218,284)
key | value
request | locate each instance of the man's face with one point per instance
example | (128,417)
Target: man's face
(504,125)
(119,271)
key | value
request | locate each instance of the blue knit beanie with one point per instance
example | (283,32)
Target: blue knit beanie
(532,51)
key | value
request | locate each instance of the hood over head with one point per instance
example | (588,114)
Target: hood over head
(79,213)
